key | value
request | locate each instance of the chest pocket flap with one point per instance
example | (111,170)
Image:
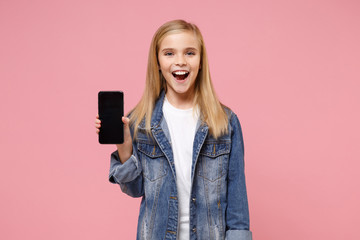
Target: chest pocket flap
(150,150)
(153,161)
(214,160)
(215,149)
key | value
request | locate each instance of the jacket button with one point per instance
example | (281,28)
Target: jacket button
(194,229)
(194,199)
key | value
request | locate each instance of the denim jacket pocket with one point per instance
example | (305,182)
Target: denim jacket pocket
(213,162)
(153,161)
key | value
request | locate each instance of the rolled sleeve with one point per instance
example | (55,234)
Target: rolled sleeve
(123,172)
(128,174)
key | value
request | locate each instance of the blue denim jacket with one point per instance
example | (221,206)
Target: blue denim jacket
(218,203)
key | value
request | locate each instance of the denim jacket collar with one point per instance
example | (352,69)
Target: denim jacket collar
(157,115)
(161,134)
(157,112)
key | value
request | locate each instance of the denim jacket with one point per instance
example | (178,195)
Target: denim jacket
(218,199)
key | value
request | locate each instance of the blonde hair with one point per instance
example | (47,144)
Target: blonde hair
(211,110)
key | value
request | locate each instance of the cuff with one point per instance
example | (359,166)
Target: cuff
(123,172)
(238,235)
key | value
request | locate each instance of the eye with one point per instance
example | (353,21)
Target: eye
(190,53)
(168,54)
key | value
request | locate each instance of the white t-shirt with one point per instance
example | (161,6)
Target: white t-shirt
(182,124)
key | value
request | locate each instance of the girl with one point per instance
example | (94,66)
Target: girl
(183,151)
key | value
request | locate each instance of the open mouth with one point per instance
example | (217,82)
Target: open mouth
(180,75)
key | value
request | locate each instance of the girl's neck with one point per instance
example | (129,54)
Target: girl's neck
(181,101)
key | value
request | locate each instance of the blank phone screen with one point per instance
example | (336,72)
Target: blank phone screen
(111,110)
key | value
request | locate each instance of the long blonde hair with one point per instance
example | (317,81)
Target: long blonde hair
(211,110)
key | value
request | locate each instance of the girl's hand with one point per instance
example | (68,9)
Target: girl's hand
(97,124)
(124,149)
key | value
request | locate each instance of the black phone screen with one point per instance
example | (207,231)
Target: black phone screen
(111,110)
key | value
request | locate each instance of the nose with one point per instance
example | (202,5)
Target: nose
(180,60)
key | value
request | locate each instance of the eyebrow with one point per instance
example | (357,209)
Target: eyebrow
(186,49)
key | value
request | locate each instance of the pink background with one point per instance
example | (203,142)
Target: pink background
(289,69)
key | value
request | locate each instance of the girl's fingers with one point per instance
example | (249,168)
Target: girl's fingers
(97,123)
(125,120)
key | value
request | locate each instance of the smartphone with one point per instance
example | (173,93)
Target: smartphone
(111,110)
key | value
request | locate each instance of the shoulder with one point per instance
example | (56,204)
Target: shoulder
(233,120)
(232,117)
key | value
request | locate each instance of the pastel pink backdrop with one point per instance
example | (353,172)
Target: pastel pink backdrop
(289,69)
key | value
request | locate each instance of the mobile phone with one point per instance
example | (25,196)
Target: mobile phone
(111,110)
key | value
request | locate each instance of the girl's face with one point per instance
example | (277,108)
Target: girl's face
(179,60)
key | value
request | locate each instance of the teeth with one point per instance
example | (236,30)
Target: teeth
(180,73)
